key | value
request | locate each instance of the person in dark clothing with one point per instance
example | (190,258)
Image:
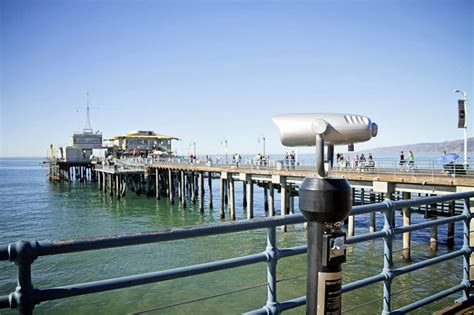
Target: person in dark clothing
(402,160)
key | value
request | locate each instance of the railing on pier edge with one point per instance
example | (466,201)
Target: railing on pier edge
(24,253)
(421,167)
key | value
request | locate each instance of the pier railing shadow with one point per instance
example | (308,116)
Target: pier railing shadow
(24,253)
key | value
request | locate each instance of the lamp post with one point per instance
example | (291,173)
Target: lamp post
(263,138)
(225,148)
(465,125)
(193,143)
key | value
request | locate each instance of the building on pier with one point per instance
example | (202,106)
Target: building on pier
(81,146)
(136,141)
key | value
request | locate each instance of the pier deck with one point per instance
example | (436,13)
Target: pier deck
(425,180)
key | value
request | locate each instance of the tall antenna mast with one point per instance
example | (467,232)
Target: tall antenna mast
(88,118)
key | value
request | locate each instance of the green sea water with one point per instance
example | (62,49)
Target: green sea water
(32,208)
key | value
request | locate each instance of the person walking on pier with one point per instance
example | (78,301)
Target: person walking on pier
(236,159)
(402,160)
(411,161)
(355,162)
(371,161)
(292,159)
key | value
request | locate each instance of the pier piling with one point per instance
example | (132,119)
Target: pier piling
(283,200)
(271,200)
(209,185)
(406,212)
(183,190)
(450,236)
(221,184)
(201,191)
(434,230)
(157,183)
(248,180)
(231,192)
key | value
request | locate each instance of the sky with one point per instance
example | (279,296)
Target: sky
(205,71)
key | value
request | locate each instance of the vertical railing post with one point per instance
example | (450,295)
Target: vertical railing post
(23,253)
(466,247)
(388,262)
(272,258)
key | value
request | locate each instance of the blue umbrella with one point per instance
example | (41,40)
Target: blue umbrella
(447,158)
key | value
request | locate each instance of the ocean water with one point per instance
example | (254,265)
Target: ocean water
(32,208)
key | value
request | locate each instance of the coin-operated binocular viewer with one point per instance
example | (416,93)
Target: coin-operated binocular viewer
(324,201)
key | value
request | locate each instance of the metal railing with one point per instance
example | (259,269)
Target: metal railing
(420,167)
(24,253)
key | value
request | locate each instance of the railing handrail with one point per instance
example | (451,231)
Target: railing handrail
(44,248)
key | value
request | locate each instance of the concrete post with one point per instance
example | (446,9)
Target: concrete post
(222,199)
(387,189)
(244,192)
(99,182)
(283,201)
(407,235)
(209,184)
(193,187)
(170,186)
(117,186)
(450,236)
(292,204)
(265,198)
(271,200)
(249,197)
(226,192)
(179,190)
(373,219)
(350,226)
(111,184)
(201,191)
(157,184)
(183,189)
(231,192)
(434,231)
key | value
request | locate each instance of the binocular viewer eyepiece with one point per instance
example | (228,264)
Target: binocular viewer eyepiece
(300,129)
(324,199)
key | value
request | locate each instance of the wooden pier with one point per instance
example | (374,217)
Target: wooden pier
(183,182)
(68,171)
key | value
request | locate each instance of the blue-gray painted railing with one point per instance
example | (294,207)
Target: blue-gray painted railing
(24,253)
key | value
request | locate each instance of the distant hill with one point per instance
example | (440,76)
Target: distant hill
(448,146)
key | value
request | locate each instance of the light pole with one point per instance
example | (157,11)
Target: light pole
(193,143)
(261,136)
(225,148)
(465,125)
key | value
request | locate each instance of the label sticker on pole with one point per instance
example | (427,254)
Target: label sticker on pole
(329,293)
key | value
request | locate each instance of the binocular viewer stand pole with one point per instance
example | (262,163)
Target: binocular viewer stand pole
(324,202)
